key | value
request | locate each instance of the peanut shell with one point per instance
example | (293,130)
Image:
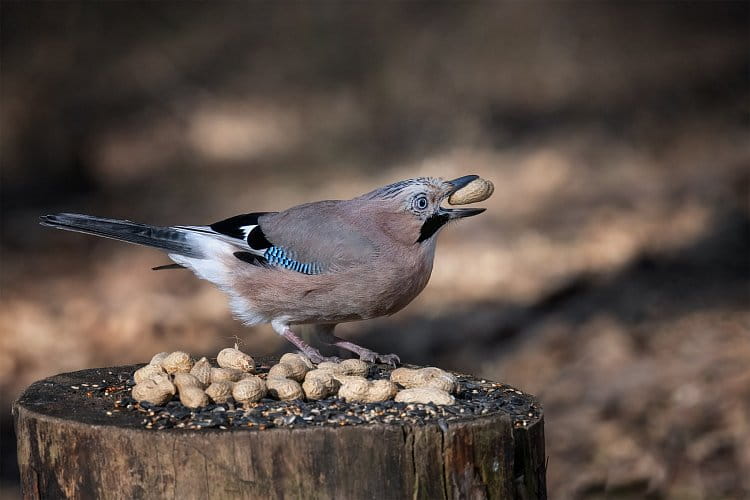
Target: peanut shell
(330,366)
(326,377)
(297,363)
(193,397)
(425,377)
(219,392)
(158,358)
(146,372)
(284,389)
(299,356)
(315,389)
(425,395)
(281,370)
(225,374)
(354,367)
(382,390)
(184,380)
(157,391)
(355,390)
(234,358)
(249,390)
(477,190)
(202,371)
(177,362)
(361,390)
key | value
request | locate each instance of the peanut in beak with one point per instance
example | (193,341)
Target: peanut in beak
(477,190)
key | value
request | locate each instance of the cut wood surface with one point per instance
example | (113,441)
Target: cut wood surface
(69,446)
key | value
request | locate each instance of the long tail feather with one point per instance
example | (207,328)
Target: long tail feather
(169,239)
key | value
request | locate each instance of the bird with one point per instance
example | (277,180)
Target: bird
(320,263)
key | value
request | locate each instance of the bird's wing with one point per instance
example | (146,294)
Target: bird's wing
(314,238)
(235,231)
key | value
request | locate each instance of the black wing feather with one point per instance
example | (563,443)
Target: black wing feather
(233,225)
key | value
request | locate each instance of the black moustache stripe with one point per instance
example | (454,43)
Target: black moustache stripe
(431,225)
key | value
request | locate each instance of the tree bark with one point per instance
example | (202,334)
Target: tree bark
(69,447)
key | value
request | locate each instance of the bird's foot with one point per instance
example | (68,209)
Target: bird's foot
(372,356)
(316,357)
(389,359)
(306,348)
(326,336)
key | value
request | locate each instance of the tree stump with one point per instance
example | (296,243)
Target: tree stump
(73,442)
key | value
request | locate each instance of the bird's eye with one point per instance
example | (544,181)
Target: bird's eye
(420,202)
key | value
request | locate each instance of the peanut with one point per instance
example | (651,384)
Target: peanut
(284,388)
(300,365)
(158,358)
(177,362)
(382,390)
(282,370)
(184,380)
(477,190)
(249,390)
(329,381)
(234,358)
(193,397)
(425,377)
(225,374)
(319,384)
(425,395)
(190,390)
(299,357)
(314,389)
(202,371)
(146,372)
(361,390)
(353,367)
(219,392)
(156,390)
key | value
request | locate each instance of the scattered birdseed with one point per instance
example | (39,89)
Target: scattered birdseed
(115,406)
(475,398)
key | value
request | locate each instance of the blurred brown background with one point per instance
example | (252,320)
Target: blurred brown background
(610,275)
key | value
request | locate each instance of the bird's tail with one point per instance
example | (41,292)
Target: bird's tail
(170,239)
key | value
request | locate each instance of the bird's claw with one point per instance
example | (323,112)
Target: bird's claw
(389,359)
(317,358)
(368,356)
(321,359)
(374,357)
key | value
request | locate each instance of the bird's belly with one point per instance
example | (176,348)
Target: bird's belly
(337,297)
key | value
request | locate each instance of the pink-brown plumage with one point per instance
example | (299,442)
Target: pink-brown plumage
(320,263)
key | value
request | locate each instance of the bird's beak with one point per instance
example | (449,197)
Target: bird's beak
(460,213)
(459,183)
(455,185)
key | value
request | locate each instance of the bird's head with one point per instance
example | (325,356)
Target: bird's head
(415,203)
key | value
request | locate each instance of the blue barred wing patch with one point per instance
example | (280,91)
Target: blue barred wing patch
(276,256)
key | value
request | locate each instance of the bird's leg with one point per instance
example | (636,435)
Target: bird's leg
(306,349)
(325,334)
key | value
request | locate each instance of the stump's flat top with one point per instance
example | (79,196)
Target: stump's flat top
(102,396)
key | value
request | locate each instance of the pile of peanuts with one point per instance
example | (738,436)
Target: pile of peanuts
(197,383)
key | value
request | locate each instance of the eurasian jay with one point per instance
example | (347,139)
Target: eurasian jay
(320,263)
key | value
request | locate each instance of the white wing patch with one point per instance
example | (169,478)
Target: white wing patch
(246,230)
